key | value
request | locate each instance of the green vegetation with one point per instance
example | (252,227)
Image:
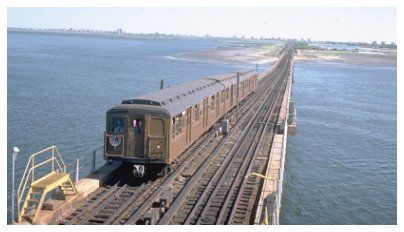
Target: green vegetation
(307,46)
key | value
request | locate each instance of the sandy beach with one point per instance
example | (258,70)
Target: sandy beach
(267,54)
(374,58)
(251,54)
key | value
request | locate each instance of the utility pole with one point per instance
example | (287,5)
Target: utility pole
(238,92)
(15,153)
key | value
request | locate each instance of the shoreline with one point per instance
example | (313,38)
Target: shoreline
(267,54)
(237,53)
(253,51)
(386,58)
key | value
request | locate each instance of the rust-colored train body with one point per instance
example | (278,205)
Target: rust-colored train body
(155,128)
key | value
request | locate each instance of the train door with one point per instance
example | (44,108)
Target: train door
(136,133)
(156,137)
(188,123)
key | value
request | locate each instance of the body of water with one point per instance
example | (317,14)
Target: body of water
(341,166)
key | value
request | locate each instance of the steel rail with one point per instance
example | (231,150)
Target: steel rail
(107,201)
(136,216)
(223,177)
(190,155)
(221,218)
(138,213)
(94,204)
(179,200)
(192,182)
(122,208)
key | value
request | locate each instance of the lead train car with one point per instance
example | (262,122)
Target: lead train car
(155,128)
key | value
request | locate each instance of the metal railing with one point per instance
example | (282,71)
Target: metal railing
(75,166)
(29,174)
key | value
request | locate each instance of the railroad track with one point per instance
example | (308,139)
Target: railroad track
(145,203)
(114,205)
(211,197)
(243,198)
(202,156)
(215,161)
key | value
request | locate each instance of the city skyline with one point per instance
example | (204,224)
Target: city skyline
(321,24)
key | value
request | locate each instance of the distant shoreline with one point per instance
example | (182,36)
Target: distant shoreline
(381,58)
(107,35)
(131,35)
(249,51)
(269,54)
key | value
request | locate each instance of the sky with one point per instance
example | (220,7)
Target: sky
(326,24)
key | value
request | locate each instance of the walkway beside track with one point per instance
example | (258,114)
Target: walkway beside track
(269,205)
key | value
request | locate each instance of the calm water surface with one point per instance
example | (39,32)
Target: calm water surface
(341,167)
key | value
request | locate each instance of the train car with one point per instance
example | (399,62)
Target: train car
(152,130)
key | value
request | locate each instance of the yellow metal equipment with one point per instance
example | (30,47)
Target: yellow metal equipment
(266,216)
(258,175)
(39,187)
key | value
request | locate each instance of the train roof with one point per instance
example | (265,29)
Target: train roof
(147,109)
(176,98)
(230,79)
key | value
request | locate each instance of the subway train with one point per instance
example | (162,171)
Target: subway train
(152,130)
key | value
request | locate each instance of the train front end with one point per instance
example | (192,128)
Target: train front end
(137,134)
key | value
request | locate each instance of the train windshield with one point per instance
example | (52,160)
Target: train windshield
(137,126)
(117,126)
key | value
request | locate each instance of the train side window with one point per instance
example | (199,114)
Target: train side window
(212,102)
(180,122)
(174,127)
(177,125)
(157,127)
(197,112)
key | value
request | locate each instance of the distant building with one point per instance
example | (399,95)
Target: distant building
(119,31)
